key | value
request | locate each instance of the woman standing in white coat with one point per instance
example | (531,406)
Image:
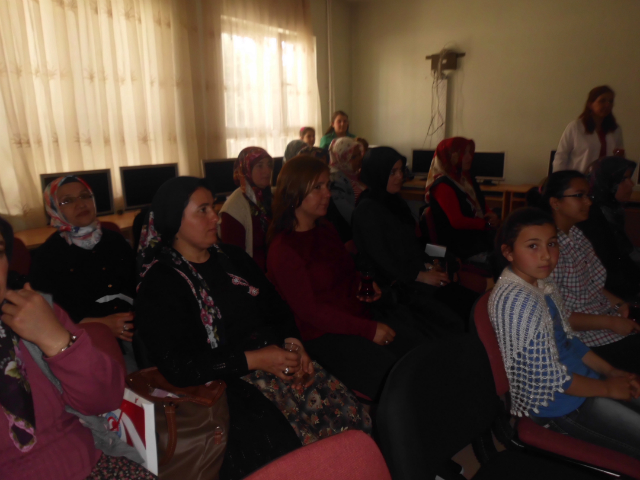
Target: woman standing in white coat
(593,135)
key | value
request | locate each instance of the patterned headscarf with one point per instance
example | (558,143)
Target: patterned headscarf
(443,165)
(15,392)
(259,198)
(162,224)
(83,237)
(316,152)
(342,151)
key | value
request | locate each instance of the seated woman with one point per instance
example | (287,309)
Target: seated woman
(293,148)
(611,187)
(346,187)
(384,231)
(246,215)
(339,128)
(465,224)
(90,271)
(553,376)
(205,311)
(313,272)
(597,315)
(308,136)
(39,438)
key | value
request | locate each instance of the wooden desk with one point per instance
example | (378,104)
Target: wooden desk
(509,198)
(37,236)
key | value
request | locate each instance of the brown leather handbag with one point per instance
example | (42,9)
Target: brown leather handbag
(191,427)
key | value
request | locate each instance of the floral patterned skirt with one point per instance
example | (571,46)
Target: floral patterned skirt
(119,468)
(325,408)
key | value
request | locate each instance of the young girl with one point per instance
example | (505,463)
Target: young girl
(308,135)
(553,376)
(598,316)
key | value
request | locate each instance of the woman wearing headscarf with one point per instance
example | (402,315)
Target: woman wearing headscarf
(205,311)
(313,272)
(594,134)
(39,438)
(385,233)
(90,271)
(293,148)
(611,187)
(346,187)
(316,152)
(464,223)
(246,215)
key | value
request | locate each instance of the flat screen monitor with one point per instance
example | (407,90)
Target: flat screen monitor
(98,180)
(219,175)
(140,183)
(421,162)
(277,166)
(488,165)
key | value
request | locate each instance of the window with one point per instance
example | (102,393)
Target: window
(270,87)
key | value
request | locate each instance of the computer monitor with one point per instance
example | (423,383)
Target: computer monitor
(277,166)
(98,180)
(488,166)
(140,183)
(219,175)
(421,162)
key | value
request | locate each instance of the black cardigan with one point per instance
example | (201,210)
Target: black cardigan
(77,277)
(168,320)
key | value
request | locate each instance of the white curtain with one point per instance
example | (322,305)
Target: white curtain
(269,70)
(91,84)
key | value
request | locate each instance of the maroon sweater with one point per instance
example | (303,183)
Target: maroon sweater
(317,277)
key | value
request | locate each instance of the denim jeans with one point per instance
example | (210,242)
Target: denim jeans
(613,424)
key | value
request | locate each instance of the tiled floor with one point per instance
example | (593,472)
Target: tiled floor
(467,459)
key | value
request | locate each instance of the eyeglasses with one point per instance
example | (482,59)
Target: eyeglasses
(72,200)
(580,196)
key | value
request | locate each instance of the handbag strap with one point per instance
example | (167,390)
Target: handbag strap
(172,430)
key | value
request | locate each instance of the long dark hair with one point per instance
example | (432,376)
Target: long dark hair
(609,123)
(513,225)
(295,181)
(333,119)
(556,185)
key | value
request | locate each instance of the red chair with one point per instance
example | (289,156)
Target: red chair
(21,261)
(351,455)
(533,435)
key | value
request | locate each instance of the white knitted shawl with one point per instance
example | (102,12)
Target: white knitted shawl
(524,328)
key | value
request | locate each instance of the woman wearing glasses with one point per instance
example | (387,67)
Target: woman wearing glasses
(90,271)
(598,316)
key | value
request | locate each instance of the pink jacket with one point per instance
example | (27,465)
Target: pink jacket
(93,383)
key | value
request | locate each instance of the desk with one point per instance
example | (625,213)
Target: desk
(509,196)
(37,236)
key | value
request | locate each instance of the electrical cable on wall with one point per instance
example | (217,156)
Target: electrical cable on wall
(445,60)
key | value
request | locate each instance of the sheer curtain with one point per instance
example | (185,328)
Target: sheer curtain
(269,70)
(91,84)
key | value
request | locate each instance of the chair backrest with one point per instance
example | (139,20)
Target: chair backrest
(436,400)
(111,226)
(21,261)
(431,225)
(351,455)
(488,337)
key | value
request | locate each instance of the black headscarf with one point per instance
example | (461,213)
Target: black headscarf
(607,174)
(15,393)
(156,242)
(7,233)
(376,168)
(169,203)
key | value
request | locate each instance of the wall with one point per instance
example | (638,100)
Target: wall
(526,74)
